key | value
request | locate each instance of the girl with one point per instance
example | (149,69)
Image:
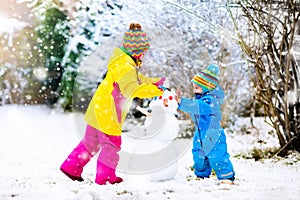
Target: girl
(107,110)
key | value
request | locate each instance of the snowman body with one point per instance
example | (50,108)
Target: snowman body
(154,155)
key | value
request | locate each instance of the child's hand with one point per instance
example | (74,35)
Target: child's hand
(161,87)
(178,95)
(160,82)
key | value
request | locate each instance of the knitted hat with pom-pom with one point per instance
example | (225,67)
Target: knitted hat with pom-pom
(135,40)
(207,79)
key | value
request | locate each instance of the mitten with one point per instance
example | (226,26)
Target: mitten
(160,82)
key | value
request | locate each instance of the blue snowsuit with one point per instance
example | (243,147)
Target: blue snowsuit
(209,141)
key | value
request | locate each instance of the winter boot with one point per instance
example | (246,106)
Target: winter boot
(73,165)
(102,174)
(105,173)
(115,180)
(74,178)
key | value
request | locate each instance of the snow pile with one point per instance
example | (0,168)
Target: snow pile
(34,141)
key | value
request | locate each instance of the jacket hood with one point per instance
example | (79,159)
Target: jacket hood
(119,57)
(217,93)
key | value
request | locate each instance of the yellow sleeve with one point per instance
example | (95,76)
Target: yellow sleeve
(147,90)
(146,79)
(130,88)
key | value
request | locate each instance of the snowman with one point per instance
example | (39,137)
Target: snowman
(154,155)
(161,124)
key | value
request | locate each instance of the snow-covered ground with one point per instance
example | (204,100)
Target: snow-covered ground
(35,140)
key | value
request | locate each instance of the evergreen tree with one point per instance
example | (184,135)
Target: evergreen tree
(52,32)
(89,27)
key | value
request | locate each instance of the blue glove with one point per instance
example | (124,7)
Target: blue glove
(163,88)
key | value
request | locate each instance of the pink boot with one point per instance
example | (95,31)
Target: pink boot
(81,155)
(74,178)
(113,178)
(73,165)
(105,173)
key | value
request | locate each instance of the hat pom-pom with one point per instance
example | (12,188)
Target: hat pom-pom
(214,69)
(135,26)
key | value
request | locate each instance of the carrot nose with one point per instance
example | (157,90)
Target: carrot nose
(166,102)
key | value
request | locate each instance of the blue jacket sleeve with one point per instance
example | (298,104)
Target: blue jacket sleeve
(197,106)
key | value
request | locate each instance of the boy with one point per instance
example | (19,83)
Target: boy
(209,141)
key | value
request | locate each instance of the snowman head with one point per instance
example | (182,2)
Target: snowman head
(166,101)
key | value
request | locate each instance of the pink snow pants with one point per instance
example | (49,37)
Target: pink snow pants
(94,141)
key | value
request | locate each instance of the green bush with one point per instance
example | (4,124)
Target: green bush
(258,154)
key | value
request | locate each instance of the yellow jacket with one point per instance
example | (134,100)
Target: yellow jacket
(101,112)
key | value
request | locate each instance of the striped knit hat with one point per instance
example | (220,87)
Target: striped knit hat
(207,79)
(135,40)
